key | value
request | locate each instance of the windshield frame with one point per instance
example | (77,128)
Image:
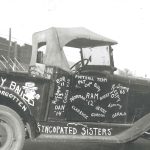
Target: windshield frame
(84,62)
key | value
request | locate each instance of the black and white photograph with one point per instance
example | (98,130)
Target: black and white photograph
(74,75)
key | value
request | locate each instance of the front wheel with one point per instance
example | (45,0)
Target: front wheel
(12,132)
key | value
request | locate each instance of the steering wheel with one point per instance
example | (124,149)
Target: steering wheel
(73,68)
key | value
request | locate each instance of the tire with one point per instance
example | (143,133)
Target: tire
(12,131)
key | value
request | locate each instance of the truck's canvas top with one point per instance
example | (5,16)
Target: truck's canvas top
(57,38)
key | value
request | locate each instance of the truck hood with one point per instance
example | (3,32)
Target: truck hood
(140,85)
(135,83)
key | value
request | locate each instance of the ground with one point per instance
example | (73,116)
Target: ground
(139,144)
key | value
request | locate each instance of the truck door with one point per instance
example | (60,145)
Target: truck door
(97,99)
(59,100)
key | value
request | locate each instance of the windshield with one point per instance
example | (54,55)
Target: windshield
(98,55)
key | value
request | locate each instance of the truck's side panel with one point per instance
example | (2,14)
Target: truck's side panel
(33,91)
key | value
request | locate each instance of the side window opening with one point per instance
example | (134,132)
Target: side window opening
(72,55)
(41,52)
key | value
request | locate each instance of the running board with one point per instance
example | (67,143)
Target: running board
(135,131)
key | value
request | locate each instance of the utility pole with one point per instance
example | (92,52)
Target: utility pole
(9,50)
(15,56)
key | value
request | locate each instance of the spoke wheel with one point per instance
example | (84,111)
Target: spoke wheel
(12,133)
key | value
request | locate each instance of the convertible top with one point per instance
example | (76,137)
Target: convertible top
(57,38)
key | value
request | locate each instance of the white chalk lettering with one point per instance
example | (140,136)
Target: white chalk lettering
(102,79)
(84,77)
(88,84)
(68,83)
(62,79)
(77,97)
(92,96)
(27,92)
(60,107)
(97,115)
(14,98)
(69,130)
(81,82)
(57,130)
(114,105)
(66,96)
(58,113)
(12,85)
(114,94)
(58,94)
(96,131)
(2,81)
(123,90)
(104,96)
(90,102)
(119,114)
(17,89)
(101,109)
(49,70)
(97,87)
(80,112)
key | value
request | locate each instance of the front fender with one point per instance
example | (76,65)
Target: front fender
(13,100)
(137,130)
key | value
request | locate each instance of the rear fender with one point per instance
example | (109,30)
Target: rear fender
(13,100)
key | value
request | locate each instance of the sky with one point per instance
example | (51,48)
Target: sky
(126,21)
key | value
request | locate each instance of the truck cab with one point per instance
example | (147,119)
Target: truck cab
(71,92)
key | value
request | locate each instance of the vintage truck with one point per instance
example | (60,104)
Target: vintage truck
(85,102)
